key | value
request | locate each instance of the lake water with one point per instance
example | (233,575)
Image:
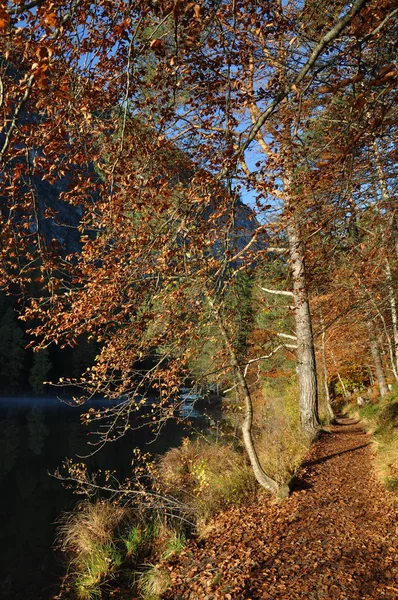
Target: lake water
(36,435)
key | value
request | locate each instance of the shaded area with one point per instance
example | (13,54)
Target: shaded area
(36,435)
(335,538)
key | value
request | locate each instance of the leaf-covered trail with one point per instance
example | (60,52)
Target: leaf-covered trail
(336,537)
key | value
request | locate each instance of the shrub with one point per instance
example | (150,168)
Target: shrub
(280,442)
(206,477)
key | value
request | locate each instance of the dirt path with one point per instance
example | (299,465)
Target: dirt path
(336,537)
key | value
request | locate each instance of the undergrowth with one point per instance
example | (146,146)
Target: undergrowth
(206,477)
(381,420)
(104,540)
(280,441)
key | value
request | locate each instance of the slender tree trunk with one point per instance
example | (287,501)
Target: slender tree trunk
(371,378)
(391,351)
(306,367)
(261,476)
(325,375)
(346,395)
(375,351)
(394,315)
(385,194)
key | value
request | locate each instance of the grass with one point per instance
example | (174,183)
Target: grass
(133,540)
(140,537)
(95,568)
(206,477)
(102,539)
(381,420)
(174,545)
(153,582)
(280,442)
(91,525)
(88,537)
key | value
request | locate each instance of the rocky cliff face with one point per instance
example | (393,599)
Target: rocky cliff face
(63,228)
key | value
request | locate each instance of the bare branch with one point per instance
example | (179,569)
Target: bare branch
(15,116)
(264,357)
(287,336)
(278,292)
(278,250)
(322,44)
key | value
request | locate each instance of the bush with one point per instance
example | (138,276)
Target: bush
(206,477)
(280,441)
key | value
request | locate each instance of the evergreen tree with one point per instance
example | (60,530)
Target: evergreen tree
(37,430)
(11,350)
(41,367)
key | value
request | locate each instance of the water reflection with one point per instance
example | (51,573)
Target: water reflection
(36,435)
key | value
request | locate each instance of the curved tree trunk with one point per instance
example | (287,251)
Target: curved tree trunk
(261,476)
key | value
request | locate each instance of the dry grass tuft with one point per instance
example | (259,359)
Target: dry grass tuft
(206,477)
(153,583)
(89,526)
(88,537)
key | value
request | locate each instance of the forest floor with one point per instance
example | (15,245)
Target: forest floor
(335,538)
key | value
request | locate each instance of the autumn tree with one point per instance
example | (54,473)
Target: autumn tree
(158,116)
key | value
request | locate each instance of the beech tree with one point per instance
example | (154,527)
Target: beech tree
(157,116)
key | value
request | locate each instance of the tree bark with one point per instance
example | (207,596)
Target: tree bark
(386,195)
(375,351)
(394,315)
(306,366)
(325,375)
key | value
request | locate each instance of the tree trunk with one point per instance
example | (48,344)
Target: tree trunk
(261,476)
(386,195)
(375,351)
(394,231)
(325,375)
(394,315)
(306,367)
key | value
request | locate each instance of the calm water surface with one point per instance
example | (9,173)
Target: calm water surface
(36,435)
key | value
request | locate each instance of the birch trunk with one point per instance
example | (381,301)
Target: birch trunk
(375,351)
(394,315)
(385,194)
(325,376)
